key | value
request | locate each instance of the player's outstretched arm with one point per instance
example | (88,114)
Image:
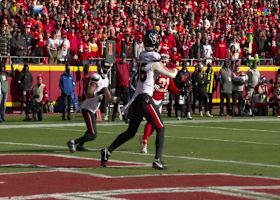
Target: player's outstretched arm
(91,90)
(158,66)
(109,96)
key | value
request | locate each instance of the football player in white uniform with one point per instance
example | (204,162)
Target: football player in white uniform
(142,104)
(98,88)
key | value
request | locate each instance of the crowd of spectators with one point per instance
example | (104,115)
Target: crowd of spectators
(76,31)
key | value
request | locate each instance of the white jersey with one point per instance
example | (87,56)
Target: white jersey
(93,104)
(207,51)
(146,75)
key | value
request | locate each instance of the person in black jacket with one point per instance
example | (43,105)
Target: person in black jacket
(196,50)
(212,84)
(25,81)
(183,101)
(201,81)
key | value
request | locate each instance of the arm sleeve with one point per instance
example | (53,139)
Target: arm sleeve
(157,66)
(45,95)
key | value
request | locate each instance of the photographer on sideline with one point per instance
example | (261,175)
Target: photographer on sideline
(25,81)
(39,95)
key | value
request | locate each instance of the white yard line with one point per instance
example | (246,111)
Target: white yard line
(226,128)
(168,156)
(222,140)
(33,145)
(175,137)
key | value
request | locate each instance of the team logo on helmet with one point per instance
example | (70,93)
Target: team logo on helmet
(151,39)
(154,38)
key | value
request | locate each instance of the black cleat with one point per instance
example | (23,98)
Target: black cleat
(81,148)
(158,164)
(71,146)
(104,157)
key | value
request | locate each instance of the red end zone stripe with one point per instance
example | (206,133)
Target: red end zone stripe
(57,161)
(180,196)
(66,182)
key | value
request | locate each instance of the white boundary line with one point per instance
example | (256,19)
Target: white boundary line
(77,124)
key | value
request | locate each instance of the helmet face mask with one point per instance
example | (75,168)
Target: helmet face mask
(151,39)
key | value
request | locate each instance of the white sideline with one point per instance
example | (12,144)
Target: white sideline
(78,124)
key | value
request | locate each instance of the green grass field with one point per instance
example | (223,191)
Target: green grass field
(246,146)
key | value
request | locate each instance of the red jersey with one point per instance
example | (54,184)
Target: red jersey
(163,83)
(123,74)
(176,57)
(221,50)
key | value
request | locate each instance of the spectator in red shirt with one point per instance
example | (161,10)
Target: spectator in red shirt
(184,46)
(83,51)
(170,38)
(164,45)
(74,43)
(40,47)
(123,74)
(220,50)
(175,57)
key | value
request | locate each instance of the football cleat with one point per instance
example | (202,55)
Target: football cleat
(208,114)
(106,118)
(158,164)
(189,116)
(81,148)
(104,157)
(71,146)
(120,117)
(144,148)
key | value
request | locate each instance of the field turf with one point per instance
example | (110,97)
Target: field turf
(242,146)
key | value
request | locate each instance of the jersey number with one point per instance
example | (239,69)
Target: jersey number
(142,74)
(163,83)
